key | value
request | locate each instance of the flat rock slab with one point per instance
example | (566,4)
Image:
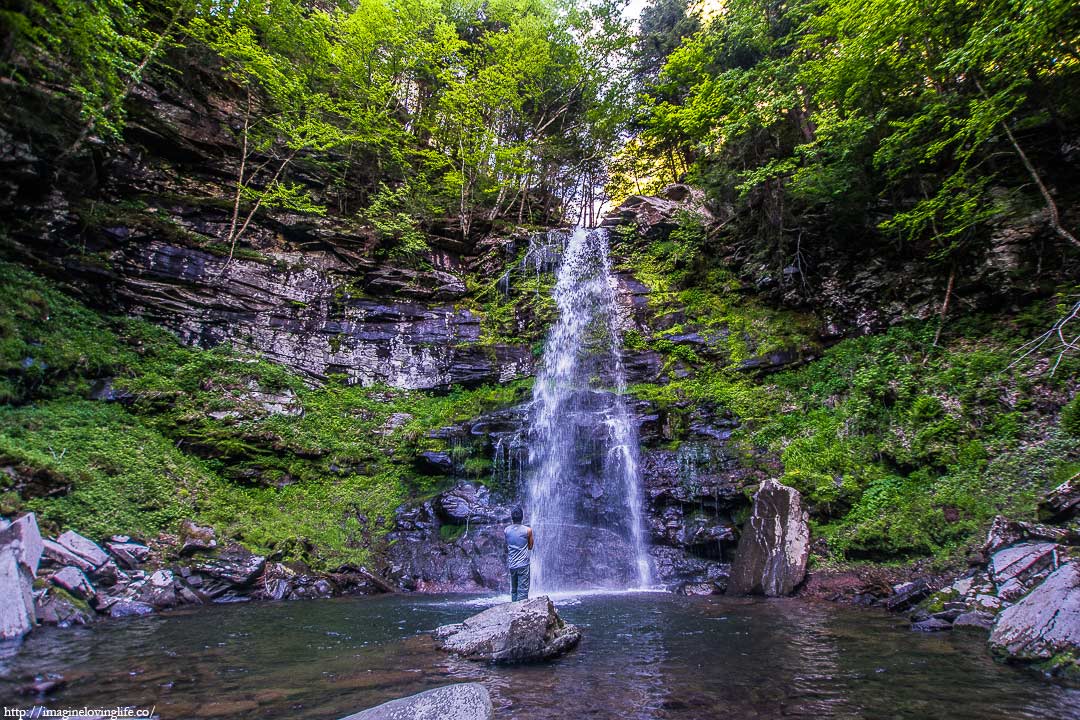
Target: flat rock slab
(465,701)
(60,555)
(1018,568)
(83,547)
(514,632)
(1045,625)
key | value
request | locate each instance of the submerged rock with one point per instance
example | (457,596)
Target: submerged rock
(464,701)
(129,608)
(1045,625)
(514,632)
(775,544)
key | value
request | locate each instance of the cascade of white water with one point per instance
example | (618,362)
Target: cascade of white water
(584,485)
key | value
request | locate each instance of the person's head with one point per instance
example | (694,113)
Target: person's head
(517,515)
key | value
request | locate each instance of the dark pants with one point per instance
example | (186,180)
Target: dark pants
(519,583)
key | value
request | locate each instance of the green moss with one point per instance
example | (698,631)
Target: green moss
(49,343)
(317,484)
(904,449)
(1070,418)
(451,533)
(112,473)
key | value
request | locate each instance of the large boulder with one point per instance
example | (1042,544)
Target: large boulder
(515,632)
(464,701)
(774,546)
(1045,625)
(25,532)
(16,598)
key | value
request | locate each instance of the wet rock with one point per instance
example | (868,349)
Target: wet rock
(276,582)
(464,701)
(932,625)
(196,538)
(159,590)
(1062,503)
(774,546)
(129,608)
(16,599)
(433,462)
(905,595)
(310,587)
(470,503)
(42,686)
(130,554)
(974,620)
(72,579)
(1017,569)
(232,568)
(1045,625)
(515,632)
(108,574)
(83,547)
(773,362)
(53,608)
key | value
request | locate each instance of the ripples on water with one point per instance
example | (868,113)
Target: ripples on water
(644,656)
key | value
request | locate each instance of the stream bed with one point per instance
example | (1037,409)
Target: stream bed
(644,655)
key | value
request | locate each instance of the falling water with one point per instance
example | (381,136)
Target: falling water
(584,484)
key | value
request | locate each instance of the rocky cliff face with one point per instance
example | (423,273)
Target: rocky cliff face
(142,234)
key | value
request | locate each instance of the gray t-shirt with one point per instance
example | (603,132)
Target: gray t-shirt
(517,546)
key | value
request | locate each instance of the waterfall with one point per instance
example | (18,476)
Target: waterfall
(583,498)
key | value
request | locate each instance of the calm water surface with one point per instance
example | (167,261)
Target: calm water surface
(644,655)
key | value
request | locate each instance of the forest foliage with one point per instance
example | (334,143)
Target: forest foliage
(920,122)
(417,109)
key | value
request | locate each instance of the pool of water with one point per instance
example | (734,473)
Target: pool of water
(644,655)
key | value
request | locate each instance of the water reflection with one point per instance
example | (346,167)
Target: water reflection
(643,656)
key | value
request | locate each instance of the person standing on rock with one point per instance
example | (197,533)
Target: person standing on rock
(519,543)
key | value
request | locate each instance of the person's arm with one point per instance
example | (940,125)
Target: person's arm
(530,539)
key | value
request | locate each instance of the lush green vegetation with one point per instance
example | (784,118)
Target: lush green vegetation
(903,448)
(414,109)
(858,125)
(218,436)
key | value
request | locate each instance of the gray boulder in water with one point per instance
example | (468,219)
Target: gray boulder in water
(1045,625)
(464,701)
(514,632)
(774,546)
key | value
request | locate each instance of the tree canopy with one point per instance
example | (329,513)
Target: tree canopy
(932,117)
(470,108)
